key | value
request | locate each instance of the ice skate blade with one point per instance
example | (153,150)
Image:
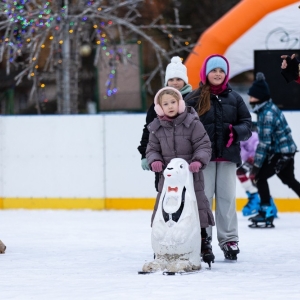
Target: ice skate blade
(166,273)
(144,273)
(230,260)
(208,262)
(267,226)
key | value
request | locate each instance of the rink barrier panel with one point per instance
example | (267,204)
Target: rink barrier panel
(52,203)
(91,162)
(283,205)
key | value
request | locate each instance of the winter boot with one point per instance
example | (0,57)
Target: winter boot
(230,250)
(265,215)
(252,206)
(2,247)
(206,251)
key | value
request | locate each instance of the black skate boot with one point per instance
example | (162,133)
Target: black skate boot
(230,250)
(265,216)
(206,251)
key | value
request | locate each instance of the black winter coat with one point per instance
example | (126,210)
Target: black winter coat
(226,108)
(151,115)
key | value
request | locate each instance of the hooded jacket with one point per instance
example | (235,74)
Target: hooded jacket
(184,137)
(151,115)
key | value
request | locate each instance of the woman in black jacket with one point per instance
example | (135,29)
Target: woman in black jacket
(227,121)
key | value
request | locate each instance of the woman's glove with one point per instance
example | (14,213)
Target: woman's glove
(144,164)
(195,166)
(156,166)
(231,137)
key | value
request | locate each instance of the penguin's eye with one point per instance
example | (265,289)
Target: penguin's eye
(181,166)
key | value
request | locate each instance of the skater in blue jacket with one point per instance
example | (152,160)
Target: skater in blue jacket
(275,151)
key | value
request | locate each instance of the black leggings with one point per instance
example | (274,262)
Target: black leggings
(286,175)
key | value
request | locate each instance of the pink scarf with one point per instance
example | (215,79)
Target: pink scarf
(218,89)
(166,118)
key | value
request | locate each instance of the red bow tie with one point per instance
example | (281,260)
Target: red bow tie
(170,189)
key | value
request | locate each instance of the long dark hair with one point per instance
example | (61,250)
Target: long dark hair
(204,99)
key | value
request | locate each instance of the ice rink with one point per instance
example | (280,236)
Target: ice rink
(83,254)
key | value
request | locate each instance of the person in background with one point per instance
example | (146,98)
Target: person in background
(274,153)
(247,154)
(248,149)
(176,77)
(178,133)
(2,247)
(290,68)
(227,121)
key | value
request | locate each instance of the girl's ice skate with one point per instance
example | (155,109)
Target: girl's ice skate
(264,219)
(252,206)
(231,250)
(274,207)
(206,251)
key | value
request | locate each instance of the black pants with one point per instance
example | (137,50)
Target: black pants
(286,175)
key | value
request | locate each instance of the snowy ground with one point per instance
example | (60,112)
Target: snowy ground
(96,255)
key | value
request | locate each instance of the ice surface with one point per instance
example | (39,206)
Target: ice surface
(97,254)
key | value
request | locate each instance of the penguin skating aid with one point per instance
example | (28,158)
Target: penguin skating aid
(175,237)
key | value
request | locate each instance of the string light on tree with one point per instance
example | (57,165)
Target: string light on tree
(29,28)
(85,50)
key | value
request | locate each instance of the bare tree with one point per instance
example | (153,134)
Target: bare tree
(52,34)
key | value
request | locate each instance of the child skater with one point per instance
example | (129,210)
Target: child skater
(247,154)
(178,132)
(227,121)
(274,153)
(248,149)
(176,77)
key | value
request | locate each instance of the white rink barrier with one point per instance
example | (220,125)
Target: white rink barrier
(90,161)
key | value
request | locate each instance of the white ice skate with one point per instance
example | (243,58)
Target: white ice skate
(176,238)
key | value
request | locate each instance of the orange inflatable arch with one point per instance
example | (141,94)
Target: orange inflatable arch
(218,37)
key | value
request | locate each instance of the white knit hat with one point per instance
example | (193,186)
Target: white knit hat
(176,69)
